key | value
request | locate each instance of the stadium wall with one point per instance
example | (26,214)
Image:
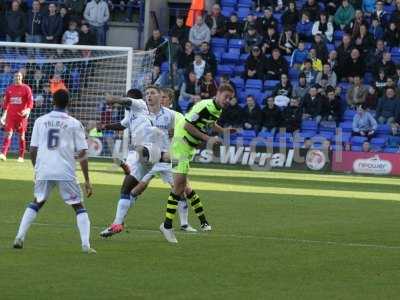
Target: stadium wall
(123,35)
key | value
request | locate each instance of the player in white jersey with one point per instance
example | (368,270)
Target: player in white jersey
(57,141)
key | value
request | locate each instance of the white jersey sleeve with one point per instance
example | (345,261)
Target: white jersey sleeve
(80,138)
(35,134)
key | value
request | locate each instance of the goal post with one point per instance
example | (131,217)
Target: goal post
(89,73)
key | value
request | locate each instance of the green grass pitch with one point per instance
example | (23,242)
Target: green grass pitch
(277,235)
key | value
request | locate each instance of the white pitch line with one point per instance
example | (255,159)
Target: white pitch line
(241,236)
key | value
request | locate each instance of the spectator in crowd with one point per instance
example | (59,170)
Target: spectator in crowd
(292,116)
(275,66)
(304,27)
(175,49)
(65,17)
(190,89)
(395,17)
(357,93)
(271,116)
(301,88)
(309,72)
(299,56)
(252,115)
(52,26)
(381,82)
(216,22)
(156,41)
(343,52)
(180,30)
(386,64)
(6,78)
(156,76)
(368,7)
(75,8)
(37,82)
(249,22)
(312,105)
(331,110)
(97,15)
(364,123)
(270,41)
(44,7)
(86,37)
(396,123)
(232,115)
(34,26)
(284,87)
(71,36)
(331,76)
(312,8)
(291,16)
(380,12)
(234,28)
(185,59)
(199,33)
(266,21)
(226,79)
(208,86)
(323,27)
(344,15)
(288,41)
(376,29)
(354,66)
(392,35)
(15,23)
(387,107)
(376,55)
(321,51)
(398,76)
(252,38)
(372,97)
(354,28)
(332,61)
(364,41)
(255,64)
(199,66)
(209,57)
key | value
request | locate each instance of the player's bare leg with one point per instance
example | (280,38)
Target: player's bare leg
(6,145)
(22,147)
(83,223)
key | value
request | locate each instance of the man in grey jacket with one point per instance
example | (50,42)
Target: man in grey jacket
(97,14)
(199,33)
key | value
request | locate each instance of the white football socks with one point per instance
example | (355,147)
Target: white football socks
(83,222)
(122,209)
(26,221)
(183,212)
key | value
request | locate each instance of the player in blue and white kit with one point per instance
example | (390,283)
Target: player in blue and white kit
(57,141)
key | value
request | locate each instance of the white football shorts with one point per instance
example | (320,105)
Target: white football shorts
(70,191)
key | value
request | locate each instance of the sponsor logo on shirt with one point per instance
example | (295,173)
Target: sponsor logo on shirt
(16,100)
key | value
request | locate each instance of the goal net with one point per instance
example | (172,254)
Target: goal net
(89,73)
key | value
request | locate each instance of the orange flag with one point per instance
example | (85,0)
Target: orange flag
(196,9)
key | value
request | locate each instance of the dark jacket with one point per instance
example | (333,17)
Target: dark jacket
(331,108)
(313,10)
(278,67)
(220,20)
(258,64)
(389,68)
(312,107)
(16,23)
(271,117)
(211,61)
(291,118)
(386,107)
(263,23)
(160,52)
(34,23)
(280,90)
(253,117)
(232,116)
(87,38)
(52,26)
(182,33)
(290,18)
(353,68)
(185,60)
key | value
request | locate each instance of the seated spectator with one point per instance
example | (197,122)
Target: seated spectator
(291,16)
(15,23)
(302,88)
(156,76)
(250,21)
(364,123)
(312,105)
(376,29)
(368,7)
(266,21)
(255,65)
(52,26)
(381,83)
(208,86)
(355,66)
(312,8)
(271,116)
(252,115)
(34,26)
(270,41)
(97,14)
(288,41)
(331,110)
(323,27)
(357,93)
(75,8)
(199,33)
(331,76)
(292,116)
(281,101)
(180,30)
(155,42)
(310,73)
(199,66)
(284,87)
(372,98)
(392,35)
(333,61)
(216,22)
(380,12)
(185,59)
(86,37)
(71,36)
(304,27)
(315,61)
(252,38)
(390,82)
(396,123)
(321,51)
(275,66)
(364,41)
(366,147)
(354,28)
(386,64)
(234,28)
(387,107)
(299,56)
(225,79)
(209,57)
(344,15)
(190,89)
(232,115)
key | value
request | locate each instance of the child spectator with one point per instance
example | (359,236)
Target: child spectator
(299,56)
(71,36)
(86,37)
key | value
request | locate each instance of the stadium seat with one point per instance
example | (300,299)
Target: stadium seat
(239,70)
(379,142)
(391,149)
(243,57)
(265,135)
(227,11)
(326,134)
(270,84)
(254,84)
(219,50)
(225,69)
(346,126)
(358,140)
(328,126)
(165,67)
(239,82)
(349,114)
(242,12)
(307,134)
(356,148)
(230,57)
(219,43)
(294,74)
(245,4)
(218,56)
(383,129)
(337,147)
(228,3)
(236,43)
(338,34)
(309,125)
(330,47)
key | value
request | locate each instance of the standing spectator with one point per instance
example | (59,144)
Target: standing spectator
(299,56)
(381,82)
(344,15)
(302,88)
(209,57)
(304,27)
(180,30)
(364,123)
(291,16)
(275,66)
(252,115)
(288,41)
(199,33)
(271,116)
(234,28)
(86,37)
(208,86)
(292,116)
(52,26)
(312,105)
(75,8)
(271,41)
(392,35)
(387,107)
(252,38)
(266,21)
(34,28)
(331,76)
(44,7)
(312,8)
(324,27)
(97,14)
(364,41)
(331,109)
(355,66)
(232,115)
(16,23)
(255,65)
(156,41)
(216,22)
(357,93)
(71,36)
(37,83)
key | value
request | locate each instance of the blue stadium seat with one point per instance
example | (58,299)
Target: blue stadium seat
(230,3)
(227,11)
(309,125)
(165,67)
(356,148)
(236,43)
(252,92)
(218,51)
(329,126)
(245,3)
(337,147)
(346,126)
(230,57)
(338,34)
(265,135)
(239,82)
(218,56)
(307,134)
(330,47)
(383,129)
(327,135)
(270,84)
(379,142)
(343,138)
(239,70)
(358,140)
(254,84)
(225,69)
(294,74)
(243,57)
(391,149)
(242,12)
(219,43)
(349,114)
(368,78)
(248,134)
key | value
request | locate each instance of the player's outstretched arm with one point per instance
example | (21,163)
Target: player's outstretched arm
(33,153)
(83,161)
(118,100)
(113,126)
(221,130)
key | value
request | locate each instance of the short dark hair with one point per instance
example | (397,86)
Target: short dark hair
(61,99)
(152,86)
(135,94)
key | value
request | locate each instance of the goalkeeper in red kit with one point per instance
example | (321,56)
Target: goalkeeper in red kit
(18,102)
